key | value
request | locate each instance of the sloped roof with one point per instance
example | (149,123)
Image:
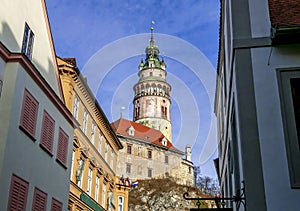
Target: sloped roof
(284,13)
(142,133)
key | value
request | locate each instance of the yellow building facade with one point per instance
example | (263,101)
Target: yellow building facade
(93,181)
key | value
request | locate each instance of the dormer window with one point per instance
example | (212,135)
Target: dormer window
(131,131)
(164,142)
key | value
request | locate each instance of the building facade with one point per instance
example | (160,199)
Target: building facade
(36,130)
(148,150)
(257,103)
(147,154)
(94,184)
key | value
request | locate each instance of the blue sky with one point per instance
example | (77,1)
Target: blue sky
(108,39)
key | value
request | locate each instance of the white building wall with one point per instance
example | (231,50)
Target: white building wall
(279,194)
(13,16)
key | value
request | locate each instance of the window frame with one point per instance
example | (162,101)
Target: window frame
(89,181)
(150,172)
(129,149)
(97,187)
(128,168)
(149,154)
(28,122)
(27,44)
(47,140)
(75,107)
(15,186)
(289,123)
(39,199)
(121,204)
(57,204)
(62,147)
(85,121)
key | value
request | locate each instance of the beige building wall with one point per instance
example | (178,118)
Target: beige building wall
(95,149)
(163,163)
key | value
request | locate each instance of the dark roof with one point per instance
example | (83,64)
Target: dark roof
(142,133)
(284,13)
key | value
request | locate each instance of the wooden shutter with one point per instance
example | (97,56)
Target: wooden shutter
(39,200)
(29,113)
(56,205)
(18,194)
(62,147)
(47,133)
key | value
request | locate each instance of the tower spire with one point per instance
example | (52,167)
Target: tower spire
(151,31)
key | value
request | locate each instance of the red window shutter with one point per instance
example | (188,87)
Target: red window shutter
(56,205)
(47,134)
(29,113)
(18,194)
(39,200)
(62,147)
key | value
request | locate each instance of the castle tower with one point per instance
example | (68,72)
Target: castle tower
(152,92)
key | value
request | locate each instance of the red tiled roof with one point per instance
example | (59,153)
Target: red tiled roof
(142,132)
(284,13)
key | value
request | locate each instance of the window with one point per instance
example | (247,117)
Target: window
(97,188)
(106,151)
(47,134)
(99,141)
(27,41)
(56,205)
(131,131)
(112,157)
(149,154)
(93,133)
(149,172)
(120,203)
(129,147)
(89,185)
(39,200)
(79,172)
(62,147)
(166,159)
(18,194)
(139,151)
(164,142)
(75,108)
(139,169)
(72,166)
(128,168)
(29,114)
(103,195)
(289,82)
(85,119)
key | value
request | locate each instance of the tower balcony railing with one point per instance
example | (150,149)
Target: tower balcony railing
(152,94)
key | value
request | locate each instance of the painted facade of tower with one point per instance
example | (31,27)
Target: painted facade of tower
(152,93)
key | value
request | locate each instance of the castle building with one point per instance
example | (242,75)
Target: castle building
(257,104)
(94,184)
(148,150)
(36,131)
